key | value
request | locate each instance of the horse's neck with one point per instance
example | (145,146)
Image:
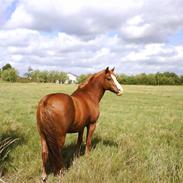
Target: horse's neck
(93,90)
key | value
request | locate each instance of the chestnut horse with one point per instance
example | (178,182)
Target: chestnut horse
(59,113)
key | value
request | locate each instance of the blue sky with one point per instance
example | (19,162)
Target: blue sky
(87,36)
(176,39)
(10,9)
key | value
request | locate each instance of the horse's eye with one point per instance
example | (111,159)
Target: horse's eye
(108,79)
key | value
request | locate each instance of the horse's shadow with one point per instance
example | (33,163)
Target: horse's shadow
(69,151)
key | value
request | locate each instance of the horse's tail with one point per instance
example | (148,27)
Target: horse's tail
(48,131)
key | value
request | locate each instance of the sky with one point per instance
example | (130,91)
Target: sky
(85,36)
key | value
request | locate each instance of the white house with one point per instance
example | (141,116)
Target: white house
(72,78)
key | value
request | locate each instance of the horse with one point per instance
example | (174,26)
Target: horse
(59,114)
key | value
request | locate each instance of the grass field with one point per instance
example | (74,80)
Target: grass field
(139,137)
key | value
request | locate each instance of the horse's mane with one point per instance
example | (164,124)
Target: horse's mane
(86,81)
(90,77)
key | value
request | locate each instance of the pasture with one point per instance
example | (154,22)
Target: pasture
(139,136)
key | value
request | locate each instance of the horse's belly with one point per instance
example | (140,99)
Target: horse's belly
(76,127)
(73,131)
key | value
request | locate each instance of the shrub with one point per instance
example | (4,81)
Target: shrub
(9,75)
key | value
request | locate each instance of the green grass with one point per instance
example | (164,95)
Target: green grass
(139,136)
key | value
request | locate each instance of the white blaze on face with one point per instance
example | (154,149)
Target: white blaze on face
(117,84)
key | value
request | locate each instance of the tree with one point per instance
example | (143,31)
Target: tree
(6,67)
(9,75)
(28,74)
(53,76)
(43,76)
(181,79)
(47,76)
(30,69)
(35,75)
(62,77)
(121,78)
(172,77)
(151,79)
(82,78)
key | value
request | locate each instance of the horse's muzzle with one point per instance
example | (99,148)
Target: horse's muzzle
(119,93)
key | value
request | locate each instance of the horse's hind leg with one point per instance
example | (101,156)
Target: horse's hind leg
(60,164)
(44,158)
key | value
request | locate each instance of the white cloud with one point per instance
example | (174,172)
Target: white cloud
(144,20)
(17,37)
(136,20)
(88,35)
(152,51)
(71,16)
(20,17)
(136,31)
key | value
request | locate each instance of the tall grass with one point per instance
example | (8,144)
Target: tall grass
(139,136)
(5,149)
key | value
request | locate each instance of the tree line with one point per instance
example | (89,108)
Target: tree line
(8,73)
(165,78)
(46,76)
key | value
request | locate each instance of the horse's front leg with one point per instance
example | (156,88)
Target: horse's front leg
(79,141)
(90,130)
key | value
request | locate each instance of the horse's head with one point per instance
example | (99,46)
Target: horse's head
(111,83)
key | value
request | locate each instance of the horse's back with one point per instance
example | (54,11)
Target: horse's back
(56,110)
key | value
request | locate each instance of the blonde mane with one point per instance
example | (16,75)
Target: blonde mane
(85,82)
(92,76)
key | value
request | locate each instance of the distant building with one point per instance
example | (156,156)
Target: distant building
(72,78)
(57,81)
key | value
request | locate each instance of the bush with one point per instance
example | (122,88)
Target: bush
(23,80)
(9,75)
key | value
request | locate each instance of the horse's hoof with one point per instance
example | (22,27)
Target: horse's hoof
(43,179)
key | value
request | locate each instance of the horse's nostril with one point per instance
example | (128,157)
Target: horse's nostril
(119,91)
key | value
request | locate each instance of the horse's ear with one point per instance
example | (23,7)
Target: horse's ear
(107,70)
(113,69)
